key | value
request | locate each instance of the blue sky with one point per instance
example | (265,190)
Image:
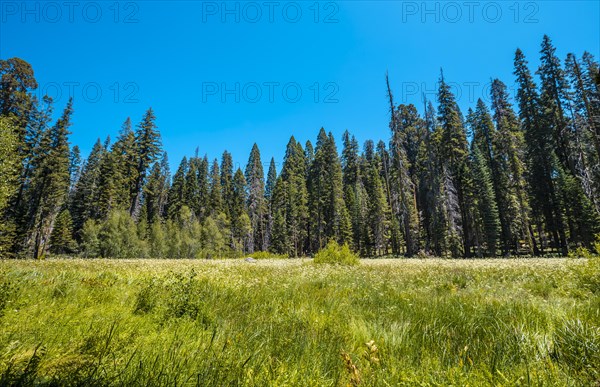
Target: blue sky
(223,75)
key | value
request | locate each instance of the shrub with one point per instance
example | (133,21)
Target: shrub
(119,237)
(333,253)
(90,239)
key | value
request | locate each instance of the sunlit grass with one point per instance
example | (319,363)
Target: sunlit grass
(289,322)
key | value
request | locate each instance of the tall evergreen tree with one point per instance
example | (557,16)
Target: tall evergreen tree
(148,149)
(328,212)
(241,228)
(554,99)
(192,195)
(257,208)
(50,184)
(486,201)
(176,196)
(74,166)
(227,183)
(86,197)
(543,162)
(403,201)
(269,190)
(61,239)
(17,82)
(156,191)
(290,204)
(454,150)
(586,124)
(376,217)
(513,201)
(216,192)
(352,184)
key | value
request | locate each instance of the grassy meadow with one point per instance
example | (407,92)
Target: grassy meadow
(293,323)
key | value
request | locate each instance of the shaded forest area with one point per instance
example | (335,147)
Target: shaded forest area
(500,180)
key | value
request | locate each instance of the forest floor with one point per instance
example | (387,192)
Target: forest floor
(292,322)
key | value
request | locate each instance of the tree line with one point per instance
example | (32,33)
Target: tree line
(500,180)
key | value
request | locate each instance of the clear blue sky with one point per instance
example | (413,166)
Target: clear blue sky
(177,56)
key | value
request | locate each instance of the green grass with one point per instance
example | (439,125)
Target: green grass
(289,322)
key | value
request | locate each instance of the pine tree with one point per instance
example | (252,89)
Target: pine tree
(227,183)
(192,195)
(86,203)
(485,160)
(74,167)
(148,149)
(586,110)
(583,220)
(454,151)
(257,208)
(329,215)
(403,124)
(426,175)
(388,182)
(61,240)
(554,99)
(309,154)
(269,190)
(50,184)
(123,175)
(216,192)
(203,189)
(543,162)
(112,193)
(513,201)
(29,140)
(441,215)
(156,191)
(352,184)
(176,196)
(17,82)
(290,204)
(486,200)
(376,216)
(556,102)
(241,228)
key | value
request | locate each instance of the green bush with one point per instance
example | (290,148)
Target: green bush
(333,253)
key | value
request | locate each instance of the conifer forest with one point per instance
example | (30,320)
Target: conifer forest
(508,179)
